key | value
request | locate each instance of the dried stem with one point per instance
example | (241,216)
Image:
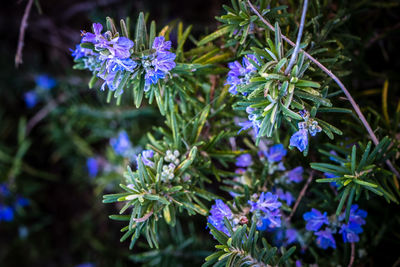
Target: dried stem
(41,114)
(298,41)
(22,28)
(144,218)
(353,254)
(301,195)
(338,82)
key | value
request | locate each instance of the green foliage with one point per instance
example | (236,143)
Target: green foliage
(357,174)
(243,248)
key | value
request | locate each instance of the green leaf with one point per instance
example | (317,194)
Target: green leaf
(214,35)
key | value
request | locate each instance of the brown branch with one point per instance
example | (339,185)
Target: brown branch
(24,25)
(353,254)
(144,218)
(41,114)
(301,195)
(338,82)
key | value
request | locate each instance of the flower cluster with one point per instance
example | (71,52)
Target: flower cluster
(296,175)
(267,211)
(158,64)
(315,220)
(218,212)
(253,122)
(113,58)
(240,74)
(300,138)
(350,231)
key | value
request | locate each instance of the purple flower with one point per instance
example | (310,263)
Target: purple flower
(315,219)
(92,165)
(240,74)
(121,145)
(296,175)
(276,153)
(146,156)
(252,122)
(267,202)
(81,52)
(6,213)
(218,212)
(285,196)
(351,230)
(160,45)
(120,47)
(291,236)
(299,139)
(95,38)
(31,99)
(271,219)
(164,61)
(152,76)
(244,160)
(325,239)
(158,65)
(45,82)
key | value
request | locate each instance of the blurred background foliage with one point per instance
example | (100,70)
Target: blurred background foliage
(65,223)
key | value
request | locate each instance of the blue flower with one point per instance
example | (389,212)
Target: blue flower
(271,220)
(92,165)
(95,38)
(288,197)
(45,82)
(146,156)
(6,213)
(267,202)
(244,160)
(121,145)
(31,99)
(81,52)
(119,47)
(276,153)
(22,202)
(291,236)
(158,64)
(296,175)
(240,74)
(325,239)
(351,230)
(299,139)
(252,122)
(315,219)
(160,45)
(217,214)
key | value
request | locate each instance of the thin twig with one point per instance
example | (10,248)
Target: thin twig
(301,195)
(41,114)
(353,254)
(144,218)
(22,28)
(298,41)
(338,82)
